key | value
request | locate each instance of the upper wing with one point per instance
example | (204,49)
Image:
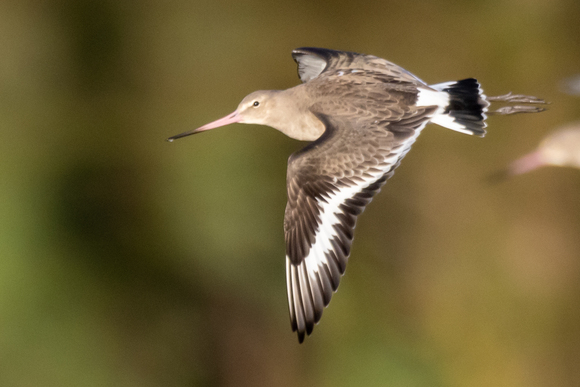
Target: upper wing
(329,184)
(314,61)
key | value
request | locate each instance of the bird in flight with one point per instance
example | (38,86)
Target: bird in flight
(361,114)
(560,148)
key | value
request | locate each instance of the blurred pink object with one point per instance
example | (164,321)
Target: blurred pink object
(560,149)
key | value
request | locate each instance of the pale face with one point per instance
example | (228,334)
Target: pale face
(562,147)
(252,110)
(256,107)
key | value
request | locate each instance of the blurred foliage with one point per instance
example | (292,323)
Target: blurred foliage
(128,261)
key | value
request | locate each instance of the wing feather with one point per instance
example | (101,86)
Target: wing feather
(314,61)
(330,182)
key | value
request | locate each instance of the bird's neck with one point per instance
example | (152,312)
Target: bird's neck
(291,115)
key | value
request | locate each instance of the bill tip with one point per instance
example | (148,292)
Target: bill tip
(497,177)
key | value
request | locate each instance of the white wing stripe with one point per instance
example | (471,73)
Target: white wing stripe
(300,323)
(290,291)
(317,257)
(312,281)
(329,208)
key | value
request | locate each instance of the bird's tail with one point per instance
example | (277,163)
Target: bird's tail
(464,107)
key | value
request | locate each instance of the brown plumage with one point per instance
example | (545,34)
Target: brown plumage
(362,113)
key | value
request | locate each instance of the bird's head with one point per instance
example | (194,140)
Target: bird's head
(255,108)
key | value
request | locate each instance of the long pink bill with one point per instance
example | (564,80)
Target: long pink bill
(527,163)
(229,119)
(522,165)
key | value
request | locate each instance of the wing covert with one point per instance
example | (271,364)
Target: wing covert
(330,182)
(314,61)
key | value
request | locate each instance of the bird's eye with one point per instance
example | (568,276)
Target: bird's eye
(256,103)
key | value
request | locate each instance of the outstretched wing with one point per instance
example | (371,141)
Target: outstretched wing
(314,61)
(329,183)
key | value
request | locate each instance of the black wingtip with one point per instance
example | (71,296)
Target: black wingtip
(300,337)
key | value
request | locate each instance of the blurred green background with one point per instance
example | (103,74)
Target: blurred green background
(129,261)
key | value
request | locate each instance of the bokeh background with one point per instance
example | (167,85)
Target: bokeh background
(129,261)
